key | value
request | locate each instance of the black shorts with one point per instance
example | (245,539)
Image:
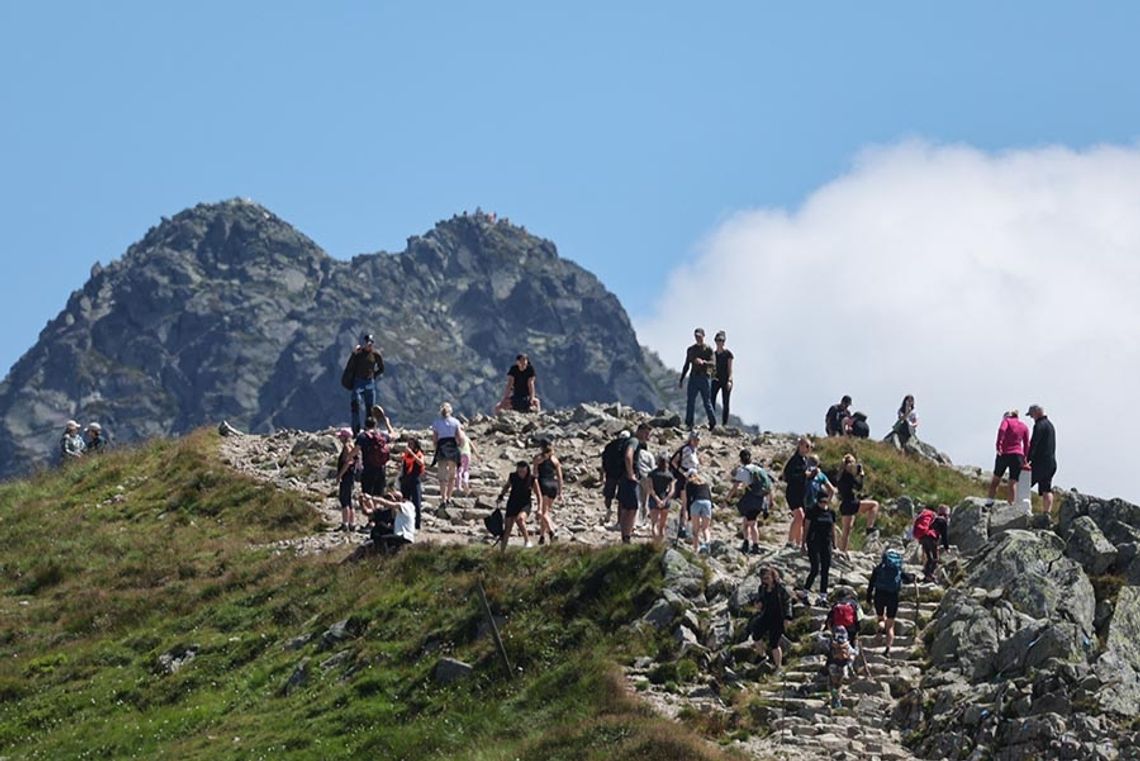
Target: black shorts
(1043,478)
(627,495)
(372,482)
(886,601)
(679,484)
(344,493)
(849,507)
(609,489)
(520,403)
(1008,462)
(514,510)
(795,499)
(770,630)
(548,489)
(750,507)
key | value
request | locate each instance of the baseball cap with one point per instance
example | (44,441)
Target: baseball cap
(366,338)
(1033,408)
(694,435)
(344,434)
(72,424)
(94,427)
(699,332)
(719,336)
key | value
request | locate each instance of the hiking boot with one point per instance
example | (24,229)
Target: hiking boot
(873,531)
(755,549)
(821,601)
(542,538)
(744,547)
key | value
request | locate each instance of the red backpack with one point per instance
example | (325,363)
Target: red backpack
(922,524)
(843,614)
(376,451)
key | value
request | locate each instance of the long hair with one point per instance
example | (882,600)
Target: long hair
(904,409)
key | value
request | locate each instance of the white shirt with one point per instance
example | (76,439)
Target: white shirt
(742,475)
(689,459)
(446,427)
(405,525)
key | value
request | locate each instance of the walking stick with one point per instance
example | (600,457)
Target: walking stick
(495,631)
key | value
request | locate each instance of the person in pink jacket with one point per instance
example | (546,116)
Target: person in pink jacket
(1012,446)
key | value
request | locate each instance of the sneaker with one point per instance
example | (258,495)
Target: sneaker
(542,539)
(821,601)
(873,531)
(744,547)
(755,549)
(342,527)
(703,549)
(527,543)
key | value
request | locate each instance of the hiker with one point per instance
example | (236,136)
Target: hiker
(795,476)
(932,530)
(446,433)
(775,608)
(840,663)
(837,420)
(519,394)
(375,451)
(845,613)
(71,446)
(548,471)
(628,498)
(94,441)
(613,471)
(411,476)
(860,429)
(1042,456)
(757,487)
(346,463)
(700,358)
(660,491)
(684,459)
(699,496)
(1012,445)
(520,485)
(819,540)
(394,523)
(883,590)
(906,424)
(645,464)
(463,472)
(364,367)
(722,377)
(849,484)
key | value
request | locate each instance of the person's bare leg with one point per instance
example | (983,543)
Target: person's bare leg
(1047,502)
(626,520)
(993,487)
(1012,490)
(796,530)
(848,522)
(890,633)
(506,533)
(869,508)
(778,657)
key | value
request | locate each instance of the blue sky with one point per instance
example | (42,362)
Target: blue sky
(628,133)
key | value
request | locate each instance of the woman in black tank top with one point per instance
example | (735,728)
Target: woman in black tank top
(549,472)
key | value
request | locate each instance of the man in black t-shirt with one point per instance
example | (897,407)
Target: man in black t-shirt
(519,394)
(1042,458)
(722,379)
(836,415)
(700,358)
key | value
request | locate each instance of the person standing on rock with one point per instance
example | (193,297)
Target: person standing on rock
(700,358)
(446,433)
(549,472)
(364,368)
(849,484)
(646,462)
(94,441)
(1012,445)
(795,476)
(840,664)
(699,496)
(660,492)
(463,472)
(613,471)
(775,607)
(756,484)
(411,476)
(819,541)
(627,495)
(883,590)
(683,460)
(722,379)
(71,446)
(520,486)
(1043,456)
(375,451)
(519,394)
(346,478)
(836,421)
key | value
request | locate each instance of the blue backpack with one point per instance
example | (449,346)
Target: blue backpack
(813,488)
(889,573)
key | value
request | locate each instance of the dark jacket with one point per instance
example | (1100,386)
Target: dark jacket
(366,365)
(1043,445)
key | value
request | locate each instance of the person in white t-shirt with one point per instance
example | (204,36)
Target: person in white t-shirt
(394,522)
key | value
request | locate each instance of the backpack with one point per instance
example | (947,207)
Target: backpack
(789,611)
(348,377)
(613,457)
(812,488)
(676,469)
(376,451)
(922,525)
(840,650)
(761,484)
(494,522)
(844,614)
(889,572)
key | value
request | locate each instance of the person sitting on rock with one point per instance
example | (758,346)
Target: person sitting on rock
(1012,446)
(850,483)
(365,366)
(795,476)
(518,490)
(757,487)
(860,429)
(906,424)
(519,394)
(840,662)
(819,541)
(774,609)
(548,471)
(932,530)
(411,476)
(698,493)
(374,446)
(446,433)
(837,419)
(95,441)
(613,471)
(71,446)
(660,492)
(346,463)
(883,589)
(393,523)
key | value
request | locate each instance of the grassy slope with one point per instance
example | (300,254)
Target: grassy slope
(96,583)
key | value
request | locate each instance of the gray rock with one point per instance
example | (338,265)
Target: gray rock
(969,525)
(339,632)
(681,576)
(448,670)
(661,615)
(964,637)
(299,678)
(1005,517)
(172,661)
(296,643)
(1089,547)
(1118,668)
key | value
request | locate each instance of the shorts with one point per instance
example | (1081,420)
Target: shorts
(849,507)
(1008,462)
(548,489)
(1043,478)
(627,495)
(514,510)
(750,508)
(345,492)
(520,403)
(372,482)
(886,602)
(679,484)
(795,498)
(663,503)
(700,508)
(770,631)
(839,671)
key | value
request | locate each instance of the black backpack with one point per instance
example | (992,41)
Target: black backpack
(613,457)
(348,377)
(494,523)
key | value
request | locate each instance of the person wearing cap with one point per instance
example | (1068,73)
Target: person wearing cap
(1042,458)
(94,441)
(346,463)
(365,365)
(722,377)
(71,446)
(629,498)
(700,358)
(1012,444)
(613,470)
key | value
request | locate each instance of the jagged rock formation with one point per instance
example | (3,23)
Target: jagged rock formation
(227,312)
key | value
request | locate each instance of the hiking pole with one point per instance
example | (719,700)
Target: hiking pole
(495,630)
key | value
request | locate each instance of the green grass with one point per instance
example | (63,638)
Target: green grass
(96,582)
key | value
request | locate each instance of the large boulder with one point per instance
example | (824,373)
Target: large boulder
(1119,666)
(681,576)
(970,525)
(963,636)
(1119,520)
(1088,546)
(1005,517)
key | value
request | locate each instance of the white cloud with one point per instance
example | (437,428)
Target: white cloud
(974,281)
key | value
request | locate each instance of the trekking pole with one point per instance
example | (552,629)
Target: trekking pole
(916,603)
(495,630)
